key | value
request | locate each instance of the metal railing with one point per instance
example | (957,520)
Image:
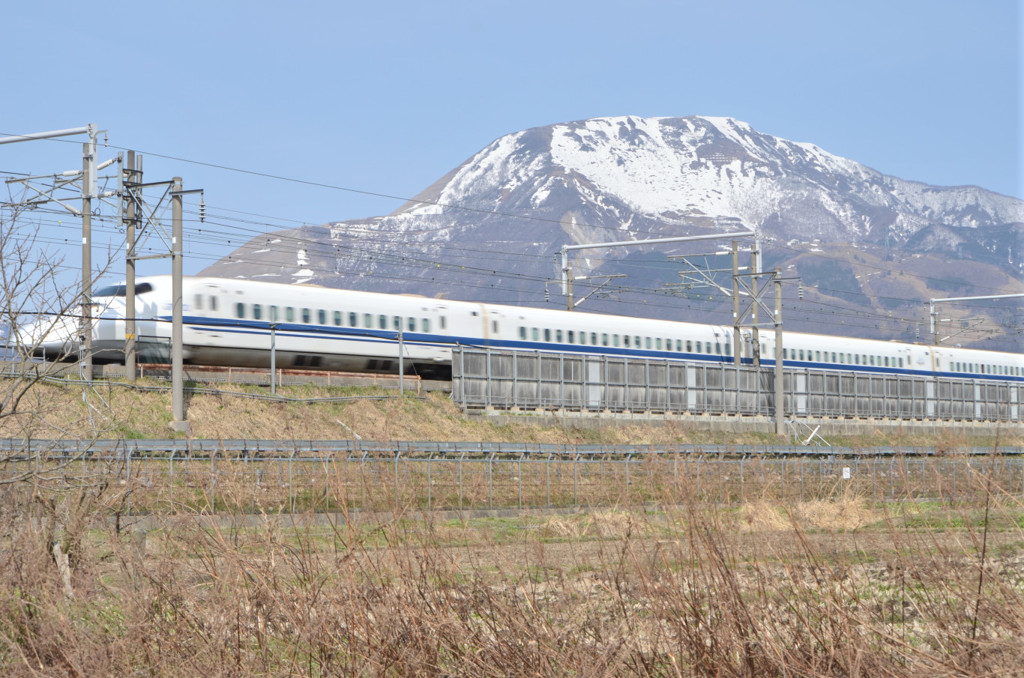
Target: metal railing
(252,477)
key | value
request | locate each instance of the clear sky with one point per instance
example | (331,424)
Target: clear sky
(386,97)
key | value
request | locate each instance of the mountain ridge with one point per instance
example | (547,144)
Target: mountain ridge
(488,230)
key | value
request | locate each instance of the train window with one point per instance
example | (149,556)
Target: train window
(615,340)
(411,324)
(647,343)
(522,332)
(444,322)
(558,336)
(257,311)
(626,340)
(426,324)
(583,337)
(801,354)
(382,322)
(718,348)
(547,334)
(213,303)
(604,339)
(367,320)
(571,336)
(657,343)
(679,345)
(240,310)
(321,316)
(494,326)
(396,323)
(698,347)
(198,302)
(535,333)
(273,314)
(353,319)
(289,314)
(707,347)
(901,362)
(593,338)
(337,318)
(305,315)
(728,349)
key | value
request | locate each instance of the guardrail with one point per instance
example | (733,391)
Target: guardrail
(359,449)
(264,476)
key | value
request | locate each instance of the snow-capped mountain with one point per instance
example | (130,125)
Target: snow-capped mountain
(872,245)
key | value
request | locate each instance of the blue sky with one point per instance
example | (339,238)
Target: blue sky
(387,97)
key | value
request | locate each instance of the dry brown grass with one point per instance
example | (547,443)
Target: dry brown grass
(110,411)
(832,588)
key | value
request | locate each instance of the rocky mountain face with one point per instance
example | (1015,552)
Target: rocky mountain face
(862,251)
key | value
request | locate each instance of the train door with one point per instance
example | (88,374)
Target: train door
(207,302)
(494,322)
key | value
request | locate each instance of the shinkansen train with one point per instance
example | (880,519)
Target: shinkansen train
(234,323)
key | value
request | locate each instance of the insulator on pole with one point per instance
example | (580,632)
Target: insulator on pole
(202,210)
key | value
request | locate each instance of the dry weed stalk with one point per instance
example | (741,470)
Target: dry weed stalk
(625,590)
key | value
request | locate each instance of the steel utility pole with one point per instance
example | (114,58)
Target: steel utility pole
(142,220)
(89,192)
(132,176)
(88,177)
(934,318)
(178,422)
(567,274)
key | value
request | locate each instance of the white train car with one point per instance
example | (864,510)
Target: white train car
(233,322)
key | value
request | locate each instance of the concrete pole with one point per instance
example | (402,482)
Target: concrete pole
(178,422)
(755,267)
(85,348)
(273,358)
(401,362)
(780,393)
(129,298)
(737,343)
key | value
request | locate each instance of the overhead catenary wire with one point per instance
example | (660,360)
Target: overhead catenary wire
(246,229)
